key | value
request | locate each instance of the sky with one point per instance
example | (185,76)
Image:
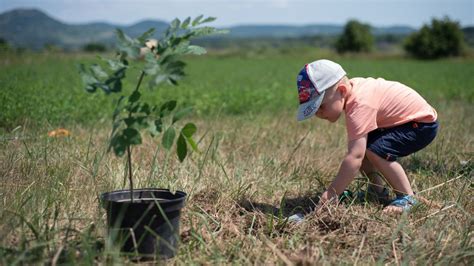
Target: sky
(412,13)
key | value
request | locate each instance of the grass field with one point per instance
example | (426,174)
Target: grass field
(256,165)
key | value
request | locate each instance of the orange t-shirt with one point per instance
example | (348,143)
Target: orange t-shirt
(379,103)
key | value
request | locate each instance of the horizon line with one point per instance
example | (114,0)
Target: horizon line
(224,25)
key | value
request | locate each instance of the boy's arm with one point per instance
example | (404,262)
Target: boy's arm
(348,169)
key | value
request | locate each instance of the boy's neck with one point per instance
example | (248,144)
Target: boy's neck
(347,94)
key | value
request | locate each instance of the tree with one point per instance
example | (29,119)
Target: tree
(4,46)
(440,39)
(94,47)
(163,64)
(357,37)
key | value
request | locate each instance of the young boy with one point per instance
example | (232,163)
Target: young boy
(385,120)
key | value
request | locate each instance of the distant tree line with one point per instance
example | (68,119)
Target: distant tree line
(4,45)
(6,48)
(94,47)
(442,38)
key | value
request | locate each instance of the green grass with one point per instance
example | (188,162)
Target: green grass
(255,159)
(46,89)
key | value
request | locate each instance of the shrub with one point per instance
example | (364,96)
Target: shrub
(440,39)
(94,47)
(4,46)
(357,37)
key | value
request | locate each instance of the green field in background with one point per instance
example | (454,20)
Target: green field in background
(45,89)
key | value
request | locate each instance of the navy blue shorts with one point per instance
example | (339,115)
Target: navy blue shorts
(402,140)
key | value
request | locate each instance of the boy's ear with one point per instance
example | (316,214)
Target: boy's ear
(342,88)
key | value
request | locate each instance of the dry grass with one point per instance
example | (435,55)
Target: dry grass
(250,174)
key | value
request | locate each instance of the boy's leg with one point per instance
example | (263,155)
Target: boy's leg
(369,170)
(393,173)
(384,146)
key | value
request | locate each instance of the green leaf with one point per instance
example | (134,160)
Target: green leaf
(173,80)
(136,122)
(128,45)
(193,144)
(168,106)
(132,107)
(176,66)
(115,125)
(204,31)
(181,113)
(181,148)
(87,78)
(114,65)
(129,121)
(185,23)
(116,85)
(209,19)
(188,130)
(159,125)
(118,144)
(152,130)
(151,70)
(98,71)
(175,23)
(120,74)
(146,35)
(145,108)
(118,108)
(197,50)
(180,48)
(151,67)
(104,87)
(167,58)
(159,79)
(134,97)
(168,138)
(197,20)
(154,127)
(132,136)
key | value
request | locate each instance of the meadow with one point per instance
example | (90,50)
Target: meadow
(256,166)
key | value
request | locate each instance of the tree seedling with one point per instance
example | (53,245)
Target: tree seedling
(132,114)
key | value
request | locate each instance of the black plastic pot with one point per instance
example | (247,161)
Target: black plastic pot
(148,226)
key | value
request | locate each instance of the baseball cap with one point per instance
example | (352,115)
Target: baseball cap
(312,82)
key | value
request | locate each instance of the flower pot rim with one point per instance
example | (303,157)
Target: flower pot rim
(180,195)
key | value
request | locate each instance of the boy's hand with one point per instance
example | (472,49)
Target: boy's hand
(326,200)
(327,197)
(349,168)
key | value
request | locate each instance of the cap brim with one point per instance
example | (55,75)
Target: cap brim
(308,109)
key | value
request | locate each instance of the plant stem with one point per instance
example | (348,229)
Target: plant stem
(140,80)
(129,152)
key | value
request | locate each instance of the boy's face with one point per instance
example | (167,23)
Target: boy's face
(332,105)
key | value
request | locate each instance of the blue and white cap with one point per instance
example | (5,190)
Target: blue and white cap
(312,82)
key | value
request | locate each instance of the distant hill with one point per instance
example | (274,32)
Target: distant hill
(33,29)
